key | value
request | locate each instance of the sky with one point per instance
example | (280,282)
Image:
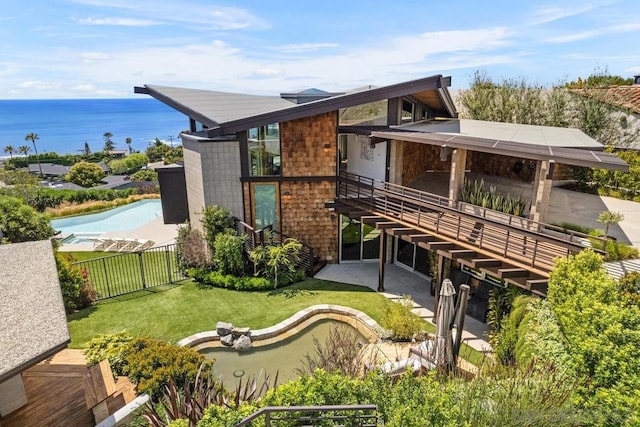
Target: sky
(103,48)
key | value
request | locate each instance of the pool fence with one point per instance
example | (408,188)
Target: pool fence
(125,273)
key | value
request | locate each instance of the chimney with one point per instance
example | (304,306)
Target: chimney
(636,79)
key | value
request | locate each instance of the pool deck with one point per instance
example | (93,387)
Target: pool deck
(157,231)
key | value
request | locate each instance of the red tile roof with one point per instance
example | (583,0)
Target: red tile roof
(624,97)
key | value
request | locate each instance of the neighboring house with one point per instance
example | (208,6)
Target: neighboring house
(336,173)
(626,101)
(34,324)
(48,169)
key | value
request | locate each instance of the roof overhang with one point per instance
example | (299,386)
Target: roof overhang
(434,86)
(564,155)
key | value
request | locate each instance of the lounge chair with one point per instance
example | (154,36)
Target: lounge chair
(102,244)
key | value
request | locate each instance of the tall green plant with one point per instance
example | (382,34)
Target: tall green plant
(215,220)
(228,253)
(275,261)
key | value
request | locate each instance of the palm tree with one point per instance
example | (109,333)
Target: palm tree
(108,143)
(128,141)
(9,149)
(24,149)
(33,137)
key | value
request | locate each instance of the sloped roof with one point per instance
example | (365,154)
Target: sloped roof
(226,113)
(34,324)
(526,134)
(624,97)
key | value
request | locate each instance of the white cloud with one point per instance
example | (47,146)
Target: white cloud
(94,56)
(550,13)
(123,22)
(305,47)
(633,70)
(604,31)
(38,84)
(86,87)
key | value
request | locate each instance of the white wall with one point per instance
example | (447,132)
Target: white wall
(363,161)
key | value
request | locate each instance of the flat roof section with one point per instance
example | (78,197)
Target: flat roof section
(34,324)
(564,155)
(526,134)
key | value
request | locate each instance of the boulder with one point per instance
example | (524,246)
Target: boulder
(224,328)
(242,343)
(238,332)
(227,340)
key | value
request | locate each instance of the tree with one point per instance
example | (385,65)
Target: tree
(24,149)
(9,149)
(85,174)
(109,145)
(21,223)
(130,164)
(607,218)
(128,142)
(33,137)
(157,151)
(216,220)
(86,151)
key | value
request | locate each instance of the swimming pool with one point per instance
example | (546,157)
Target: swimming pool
(122,218)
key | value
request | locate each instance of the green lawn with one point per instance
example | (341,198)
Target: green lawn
(175,312)
(119,273)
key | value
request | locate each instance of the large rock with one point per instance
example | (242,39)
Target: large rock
(227,340)
(238,332)
(223,328)
(242,343)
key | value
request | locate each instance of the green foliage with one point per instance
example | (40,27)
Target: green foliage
(173,155)
(55,158)
(18,177)
(398,318)
(85,174)
(475,194)
(129,164)
(500,303)
(229,281)
(277,262)
(191,248)
(629,286)
(224,416)
(151,363)
(608,218)
(228,253)
(507,338)
(181,422)
(111,348)
(215,220)
(614,250)
(77,291)
(161,151)
(145,175)
(575,227)
(41,198)
(601,332)
(21,223)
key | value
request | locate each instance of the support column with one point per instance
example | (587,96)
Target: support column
(541,191)
(456,174)
(395,161)
(382,260)
(439,278)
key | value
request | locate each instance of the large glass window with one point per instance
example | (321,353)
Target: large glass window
(265,202)
(264,150)
(373,113)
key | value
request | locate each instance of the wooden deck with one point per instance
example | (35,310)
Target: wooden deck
(56,395)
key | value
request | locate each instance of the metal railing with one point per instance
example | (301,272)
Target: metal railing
(519,239)
(270,236)
(124,273)
(339,415)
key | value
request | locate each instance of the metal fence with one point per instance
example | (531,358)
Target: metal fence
(338,415)
(129,272)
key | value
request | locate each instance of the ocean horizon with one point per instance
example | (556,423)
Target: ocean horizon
(64,125)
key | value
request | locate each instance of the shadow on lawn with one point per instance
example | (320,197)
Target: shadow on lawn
(313,286)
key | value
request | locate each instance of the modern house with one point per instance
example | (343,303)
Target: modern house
(375,175)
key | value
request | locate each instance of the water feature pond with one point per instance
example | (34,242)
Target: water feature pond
(282,357)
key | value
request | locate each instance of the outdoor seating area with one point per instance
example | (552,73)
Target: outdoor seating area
(122,244)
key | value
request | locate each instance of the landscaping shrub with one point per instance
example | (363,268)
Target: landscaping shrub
(41,198)
(151,363)
(614,250)
(77,291)
(475,194)
(145,175)
(191,249)
(215,220)
(398,318)
(507,339)
(629,286)
(111,348)
(21,223)
(85,174)
(277,262)
(500,304)
(131,163)
(228,253)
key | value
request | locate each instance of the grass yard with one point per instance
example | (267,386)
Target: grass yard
(177,311)
(114,273)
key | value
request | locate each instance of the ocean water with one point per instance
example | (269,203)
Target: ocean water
(64,125)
